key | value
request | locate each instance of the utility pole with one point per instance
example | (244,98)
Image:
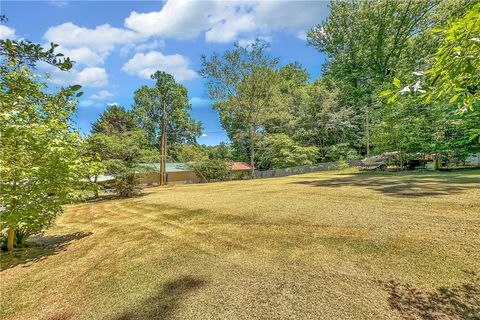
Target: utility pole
(163,147)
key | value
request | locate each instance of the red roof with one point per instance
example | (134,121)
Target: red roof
(240,166)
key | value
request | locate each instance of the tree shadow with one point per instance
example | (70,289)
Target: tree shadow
(397,185)
(164,302)
(460,302)
(111,197)
(39,248)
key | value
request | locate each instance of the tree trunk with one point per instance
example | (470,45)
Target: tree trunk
(252,155)
(10,238)
(96,188)
(401,159)
(163,148)
(367,131)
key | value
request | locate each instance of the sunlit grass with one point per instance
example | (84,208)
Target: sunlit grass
(319,246)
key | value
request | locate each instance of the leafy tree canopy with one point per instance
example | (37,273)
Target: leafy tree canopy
(167,99)
(39,163)
(115,119)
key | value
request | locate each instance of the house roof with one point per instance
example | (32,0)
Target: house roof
(240,166)
(177,166)
(171,166)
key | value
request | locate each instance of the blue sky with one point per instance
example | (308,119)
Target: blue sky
(118,44)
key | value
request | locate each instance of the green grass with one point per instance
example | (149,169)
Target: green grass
(313,246)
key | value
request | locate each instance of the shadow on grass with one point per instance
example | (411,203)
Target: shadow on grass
(165,301)
(39,248)
(399,185)
(113,196)
(460,302)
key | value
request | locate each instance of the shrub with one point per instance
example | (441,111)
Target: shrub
(342,151)
(213,170)
(280,151)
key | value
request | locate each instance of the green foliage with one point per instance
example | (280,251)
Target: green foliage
(411,126)
(39,165)
(93,167)
(213,170)
(115,119)
(190,152)
(28,54)
(166,99)
(222,151)
(280,151)
(342,152)
(321,121)
(242,81)
(121,154)
(371,43)
(421,116)
(197,153)
(455,70)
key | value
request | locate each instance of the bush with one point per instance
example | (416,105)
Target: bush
(121,154)
(343,164)
(278,151)
(342,151)
(126,186)
(213,170)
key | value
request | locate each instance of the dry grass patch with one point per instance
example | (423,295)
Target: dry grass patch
(314,246)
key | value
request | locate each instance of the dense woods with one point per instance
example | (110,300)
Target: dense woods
(357,107)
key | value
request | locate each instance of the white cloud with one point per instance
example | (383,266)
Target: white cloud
(87,46)
(101,95)
(145,64)
(83,55)
(112,104)
(204,135)
(103,38)
(145,33)
(6,32)
(229,28)
(249,41)
(155,44)
(226,21)
(88,77)
(290,16)
(93,77)
(177,19)
(197,102)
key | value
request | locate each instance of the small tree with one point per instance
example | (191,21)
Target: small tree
(280,151)
(39,162)
(121,154)
(213,170)
(93,167)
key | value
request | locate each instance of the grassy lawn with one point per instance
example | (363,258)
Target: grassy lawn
(313,246)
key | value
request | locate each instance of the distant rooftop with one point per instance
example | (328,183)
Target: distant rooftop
(171,166)
(178,166)
(240,166)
